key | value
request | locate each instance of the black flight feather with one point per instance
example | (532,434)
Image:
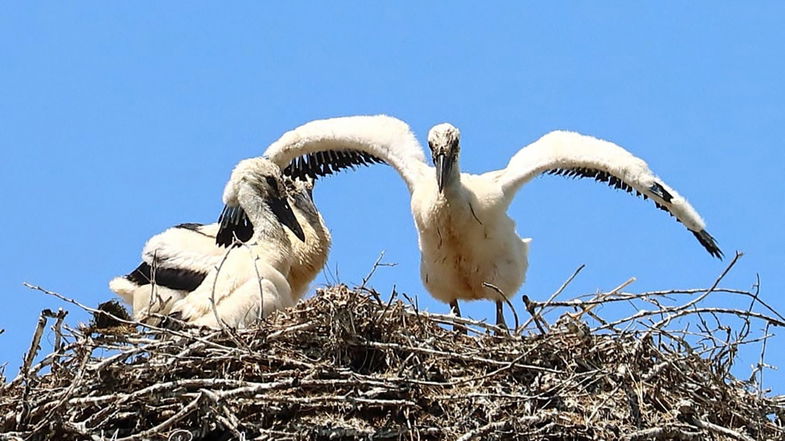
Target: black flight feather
(181,279)
(705,239)
(328,162)
(234,222)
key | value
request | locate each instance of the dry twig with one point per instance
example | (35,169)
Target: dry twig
(344,366)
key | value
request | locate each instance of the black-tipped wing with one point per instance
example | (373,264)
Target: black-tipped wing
(579,156)
(182,279)
(597,175)
(613,181)
(705,239)
(178,258)
(327,162)
(325,146)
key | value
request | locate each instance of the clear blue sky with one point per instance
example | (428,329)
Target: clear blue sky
(120,119)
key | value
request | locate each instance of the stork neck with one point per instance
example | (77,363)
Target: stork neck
(266,227)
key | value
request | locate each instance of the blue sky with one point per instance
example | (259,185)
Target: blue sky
(120,119)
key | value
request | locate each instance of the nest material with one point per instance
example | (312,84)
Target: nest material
(345,365)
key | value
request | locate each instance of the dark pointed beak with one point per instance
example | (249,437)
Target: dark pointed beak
(283,211)
(443,166)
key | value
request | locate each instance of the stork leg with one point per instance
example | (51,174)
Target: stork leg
(500,314)
(456,311)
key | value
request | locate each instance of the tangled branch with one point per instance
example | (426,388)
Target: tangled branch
(344,365)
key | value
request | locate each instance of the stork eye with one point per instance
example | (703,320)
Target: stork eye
(272,182)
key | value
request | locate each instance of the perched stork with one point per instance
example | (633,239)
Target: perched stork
(466,239)
(195,265)
(178,259)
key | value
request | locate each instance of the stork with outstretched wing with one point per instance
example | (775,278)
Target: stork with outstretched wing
(469,247)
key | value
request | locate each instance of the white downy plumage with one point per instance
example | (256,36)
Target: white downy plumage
(183,259)
(466,238)
(182,256)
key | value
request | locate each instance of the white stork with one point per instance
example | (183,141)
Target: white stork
(466,239)
(191,265)
(178,259)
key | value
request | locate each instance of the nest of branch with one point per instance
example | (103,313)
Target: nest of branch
(345,365)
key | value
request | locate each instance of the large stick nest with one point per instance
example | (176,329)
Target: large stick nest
(346,365)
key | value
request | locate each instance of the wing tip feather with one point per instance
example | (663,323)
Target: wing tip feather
(709,243)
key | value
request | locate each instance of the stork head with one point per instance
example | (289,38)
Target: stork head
(444,142)
(259,179)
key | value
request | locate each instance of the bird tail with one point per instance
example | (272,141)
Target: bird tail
(123,288)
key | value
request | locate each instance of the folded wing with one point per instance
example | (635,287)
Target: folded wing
(174,263)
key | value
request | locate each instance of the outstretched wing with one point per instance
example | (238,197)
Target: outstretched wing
(325,146)
(580,156)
